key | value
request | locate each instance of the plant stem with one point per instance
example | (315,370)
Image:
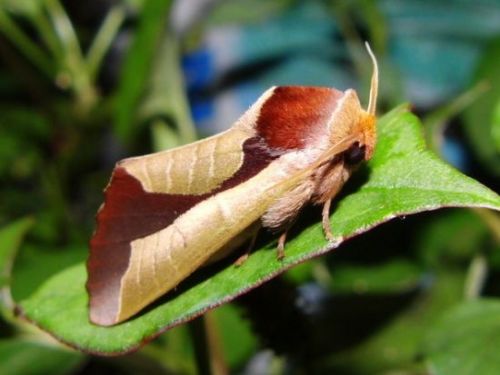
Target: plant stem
(137,65)
(476,276)
(103,39)
(64,28)
(207,346)
(46,32)
(187,131)
(478,269)
(167,94)
(354,42)
(492,221)
(199,337)
(77,78)
(217,361)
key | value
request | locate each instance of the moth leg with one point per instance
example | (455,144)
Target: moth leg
(327,188)
(327,228)
(281,245)
(280,249)
(250,247)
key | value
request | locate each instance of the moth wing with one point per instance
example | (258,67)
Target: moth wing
(165,214)
(139,227)
(128,271)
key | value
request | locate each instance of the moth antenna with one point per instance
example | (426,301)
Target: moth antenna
(372,104)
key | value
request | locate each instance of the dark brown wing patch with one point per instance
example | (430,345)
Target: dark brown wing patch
(293,115)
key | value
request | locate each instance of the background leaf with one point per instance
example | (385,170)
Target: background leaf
(137,65)
(396,346)
(24,357)
(466,340)
(34,265)
(479,118)
(403,178)
(10,240)
(396,275)
(495,128)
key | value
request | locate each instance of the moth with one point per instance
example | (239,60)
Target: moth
(169,213)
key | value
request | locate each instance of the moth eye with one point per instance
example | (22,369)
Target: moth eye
(354,154)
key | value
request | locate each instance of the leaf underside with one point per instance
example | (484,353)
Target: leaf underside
(403,178)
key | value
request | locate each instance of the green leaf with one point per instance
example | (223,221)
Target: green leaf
(27,8)
(237,340)
(403,179)
(166,99)
(163,136)
(10,240)
(479,117)
(23,357)
(137,65)
(495,127)
(394,276)
(466,340)
(35,264)
(439,243)
(396,347)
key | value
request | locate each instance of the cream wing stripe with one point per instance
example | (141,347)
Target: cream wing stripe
(168,176)
(140,267)
(155,264)
(192,167)
(223,210)
(211,156)
(148,183)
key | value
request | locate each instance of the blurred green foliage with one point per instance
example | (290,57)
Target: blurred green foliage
(83,85)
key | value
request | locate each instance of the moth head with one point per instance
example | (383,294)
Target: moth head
(368,119)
